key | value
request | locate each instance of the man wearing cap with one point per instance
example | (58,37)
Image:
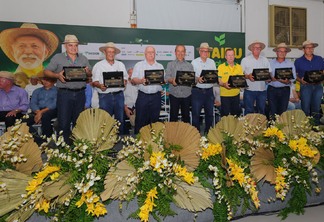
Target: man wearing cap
(43,106)
(202,94)
(71,94)
(148,102)
(310,93)
(111,99)
(256,93)
(13,99)
(180,96)
(29,47)
(278,91)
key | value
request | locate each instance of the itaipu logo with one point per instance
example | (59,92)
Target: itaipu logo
(219,52)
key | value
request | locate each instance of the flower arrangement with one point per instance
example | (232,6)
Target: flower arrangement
(70,182)
(166,163)
(157,168)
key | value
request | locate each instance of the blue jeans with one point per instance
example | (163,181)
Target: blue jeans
(202,98)
(278,98)
(311,96)
(148,107)
(69,106)
(180,103)
(254,97)
(113,103)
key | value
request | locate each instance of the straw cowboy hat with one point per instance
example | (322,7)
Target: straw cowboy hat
(205,45)
(256,42)
(8,37)
(282,45)
(109,45)
(70,39)
(308,42)
(7,75)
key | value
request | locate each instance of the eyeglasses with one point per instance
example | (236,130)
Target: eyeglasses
(309,47)
(282,51)
(204,51)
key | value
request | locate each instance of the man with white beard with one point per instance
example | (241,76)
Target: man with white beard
(29,47)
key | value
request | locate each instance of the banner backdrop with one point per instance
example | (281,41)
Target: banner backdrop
(132,43)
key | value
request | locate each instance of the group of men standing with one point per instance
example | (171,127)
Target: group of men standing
(71,94)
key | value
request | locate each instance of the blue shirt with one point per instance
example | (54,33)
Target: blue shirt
(43,98)
(303,65)
(274,64)
(16,98)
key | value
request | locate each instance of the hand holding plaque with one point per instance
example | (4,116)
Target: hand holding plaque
(284,73)
(113,79)
(209,76)
(185,78)
(237,81)
(261,74)
(314,76)
(74,73)
(154,77)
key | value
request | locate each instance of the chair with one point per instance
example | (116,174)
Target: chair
(2,128)
(164,112)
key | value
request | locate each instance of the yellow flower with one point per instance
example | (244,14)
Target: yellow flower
(302,147)
(43,205)
(157,160)
(274,131)
(33,185)
(148,205)
(54,176)
(100,209)
(90,208)
(211,150)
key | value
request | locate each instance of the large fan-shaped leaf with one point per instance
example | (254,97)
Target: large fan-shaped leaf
(294,122)
(16,184)
(186,136)
(115,181)
(262,165)
(227,124)
(34,162)
(192,197)
(96,126)
(146,131)
(254,124)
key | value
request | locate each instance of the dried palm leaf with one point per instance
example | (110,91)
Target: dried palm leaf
(294,122)
(96,126)
(254,124)
(57,188)
(187,137)
(261,165)
(16,184)
(146,131)
(192,197)
(228,124)
(153,146)
(34,163)
(115,181)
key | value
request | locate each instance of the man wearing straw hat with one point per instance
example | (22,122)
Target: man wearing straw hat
(310,93)
(202,94)
(29,47)
(278,91)
(256,93)
(13,99)
(110,99)
(71,94)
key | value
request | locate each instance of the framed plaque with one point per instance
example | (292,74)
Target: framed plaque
(284,73)
(113,79)
(185,78)
(74,73)
(154,76)
(314,76)
(209,76)
(237,81)
(261,74)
